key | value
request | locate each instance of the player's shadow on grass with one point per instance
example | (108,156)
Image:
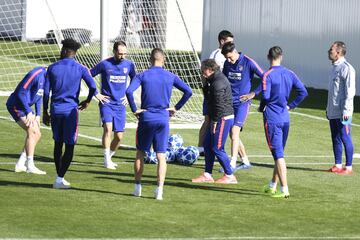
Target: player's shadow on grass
(288,167)
(25,184)
(49,186)
(207,187)
(122,174)
(6,170)
(16,156)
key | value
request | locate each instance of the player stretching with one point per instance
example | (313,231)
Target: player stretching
(28,92)
(240,70)
(217,93)
(153,127)
(114,74)
(278,82)
(63,80)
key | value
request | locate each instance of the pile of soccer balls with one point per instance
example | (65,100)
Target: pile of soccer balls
(175,153)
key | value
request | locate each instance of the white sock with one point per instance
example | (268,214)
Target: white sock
(59,179)
(338,165)
(233,161)
(245,160)
(112,153)
(285,189)
(349,168)
(107,154)
(201,149)
(230,176)
(138,188)
(159,189)
(30,161)
(22,159)
(208,175)
(272,184)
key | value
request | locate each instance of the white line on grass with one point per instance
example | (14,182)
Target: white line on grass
(203,238)
(216,163)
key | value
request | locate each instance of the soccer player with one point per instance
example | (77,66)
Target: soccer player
(240,70)
(217,92)
(153,126)
(223,37)
(63,80)
(278,82)
(340,106)
(29,92)
(114,74)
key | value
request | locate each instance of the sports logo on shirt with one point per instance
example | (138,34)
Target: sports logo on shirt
(235,76)
(241,67)
(40,92)
(125,70)
(117,79)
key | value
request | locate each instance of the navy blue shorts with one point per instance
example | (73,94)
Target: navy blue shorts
(276,137)
(65,126)
(16,112)
(151,132)
(115,114)
(241,112)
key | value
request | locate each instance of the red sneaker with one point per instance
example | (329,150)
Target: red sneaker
(203,179)
(227,180)
(345,171)
(335,169)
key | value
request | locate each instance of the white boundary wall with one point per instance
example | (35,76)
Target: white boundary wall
(304,29)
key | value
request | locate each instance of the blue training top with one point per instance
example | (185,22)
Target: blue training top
(114,75)
(156,89)
(63,79)
(29,91)
(240,75)
(278,82)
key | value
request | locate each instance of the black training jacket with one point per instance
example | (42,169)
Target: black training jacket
(217,93)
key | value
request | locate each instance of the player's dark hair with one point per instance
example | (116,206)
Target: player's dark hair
(210,64)
(224,34)
(274,53)
(117,44)
(228,47)
(155,53)
(70,44)
(340,47)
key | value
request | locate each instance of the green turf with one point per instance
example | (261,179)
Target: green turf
(100,204)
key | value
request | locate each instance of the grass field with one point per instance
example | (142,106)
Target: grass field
(100,204)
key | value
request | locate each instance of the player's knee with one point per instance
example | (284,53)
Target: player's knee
(38,135)
(118,137)
(161,157)
(216,151)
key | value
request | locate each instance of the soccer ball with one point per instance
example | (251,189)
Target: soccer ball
(169,155)
(150,157)
(175,141)
(178,154)
(188,156)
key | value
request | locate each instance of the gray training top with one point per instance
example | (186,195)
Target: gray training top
(341,90)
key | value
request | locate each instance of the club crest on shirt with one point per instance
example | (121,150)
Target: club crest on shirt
(241,67)
(125,70)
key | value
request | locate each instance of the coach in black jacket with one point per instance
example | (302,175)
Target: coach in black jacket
(217,92)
